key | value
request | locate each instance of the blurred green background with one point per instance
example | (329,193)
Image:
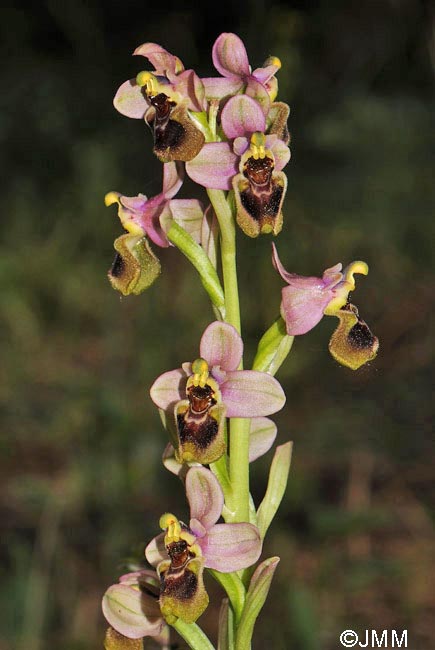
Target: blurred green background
(82,482)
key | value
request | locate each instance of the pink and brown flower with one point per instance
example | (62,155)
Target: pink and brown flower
(305,300)
(201,394)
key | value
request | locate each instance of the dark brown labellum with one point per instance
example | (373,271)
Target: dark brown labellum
(199,430)
(118,266)
(175,135)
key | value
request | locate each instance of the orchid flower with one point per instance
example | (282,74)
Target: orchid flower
(165,98)
(214,389)
(231,60)
(250,164)
(202,544)
(305,300)
(135,266)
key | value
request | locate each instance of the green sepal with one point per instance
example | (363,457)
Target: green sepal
(200,260)
(135,266)
(226,626)
(255,599)
(169,425)
(276,485)
(273,348)
(277,121)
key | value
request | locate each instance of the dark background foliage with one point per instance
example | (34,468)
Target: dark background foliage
(82,483)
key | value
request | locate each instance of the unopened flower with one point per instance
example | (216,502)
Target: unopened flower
(166,98)
(305,300)
(214,388)
(250,164)
(136,266)
(203,543)
(231,60)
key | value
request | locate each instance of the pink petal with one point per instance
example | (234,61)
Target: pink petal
(164,63)
(263,75)
(133,577)
(210,234)
(220,87)
(170,462)
(250,394)
(286,276)
(214,166)
(242,115)
(221,345)
(169,388)
(190,86)
(331,277)
(129,100)
(231,547)
(259,93)
(151,220)
(240,146)
(302,308)
(156,552)
(173,174)
(131,612)
(280,151)
(188,213)
(229,56)
(261,437)
(205,496)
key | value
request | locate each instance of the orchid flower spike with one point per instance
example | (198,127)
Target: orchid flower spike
(201,394)
(202,544)
(167,98)
(305,300)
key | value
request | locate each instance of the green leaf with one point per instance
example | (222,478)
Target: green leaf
(273,348)
(255,598)
(276,485)
(226,627)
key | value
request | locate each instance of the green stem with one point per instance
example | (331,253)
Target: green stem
(239,469)
(228,254)
(234,588)
(238,501)
(193,635)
